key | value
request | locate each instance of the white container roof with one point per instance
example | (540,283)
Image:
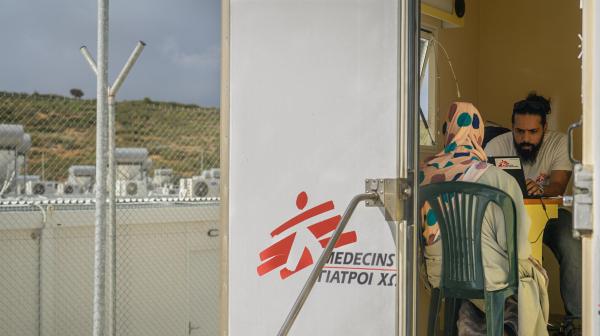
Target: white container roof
(82,170)
(11,135)
(132,155)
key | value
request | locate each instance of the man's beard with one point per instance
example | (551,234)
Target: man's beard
(528,155)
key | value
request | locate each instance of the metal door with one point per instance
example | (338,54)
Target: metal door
(317,97)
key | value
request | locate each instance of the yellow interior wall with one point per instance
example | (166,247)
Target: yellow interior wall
(525,46)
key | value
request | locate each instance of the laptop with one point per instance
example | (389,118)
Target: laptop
(513,166)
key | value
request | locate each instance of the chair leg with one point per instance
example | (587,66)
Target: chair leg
(434,310)
(452,305)
(494,313)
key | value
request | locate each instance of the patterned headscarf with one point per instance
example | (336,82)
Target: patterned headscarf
(464,136)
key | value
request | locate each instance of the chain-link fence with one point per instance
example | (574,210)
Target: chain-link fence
(167,245)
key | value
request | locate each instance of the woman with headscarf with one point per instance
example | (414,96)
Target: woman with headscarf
(463,159)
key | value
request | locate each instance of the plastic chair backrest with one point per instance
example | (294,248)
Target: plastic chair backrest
(460,208)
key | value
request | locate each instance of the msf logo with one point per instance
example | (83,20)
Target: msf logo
(296,239)
(504,164)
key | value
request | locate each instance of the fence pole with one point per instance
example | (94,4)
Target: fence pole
(112,177)
(101,146)
(112,212)
(112,171)
(16,172)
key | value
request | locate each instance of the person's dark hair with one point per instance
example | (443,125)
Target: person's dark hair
(533,104)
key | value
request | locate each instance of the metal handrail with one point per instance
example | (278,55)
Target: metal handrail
(314,275)
(572,127)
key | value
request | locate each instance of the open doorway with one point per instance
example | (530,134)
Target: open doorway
(494,56)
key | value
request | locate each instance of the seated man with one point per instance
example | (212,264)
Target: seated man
(547,171)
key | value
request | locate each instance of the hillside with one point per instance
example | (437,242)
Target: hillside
(63,131)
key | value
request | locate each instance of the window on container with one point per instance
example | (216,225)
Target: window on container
(427,99)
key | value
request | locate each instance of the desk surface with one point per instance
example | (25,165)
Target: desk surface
(547,201)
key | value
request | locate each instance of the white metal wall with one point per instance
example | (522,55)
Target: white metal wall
(313,108)
(168,270)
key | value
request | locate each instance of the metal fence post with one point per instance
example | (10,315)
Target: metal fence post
(112,212)
(112,177)
(101,144)
(112,171)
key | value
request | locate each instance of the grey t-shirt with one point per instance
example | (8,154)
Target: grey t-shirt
(553,155)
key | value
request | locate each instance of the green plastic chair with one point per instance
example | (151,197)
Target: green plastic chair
(460,208)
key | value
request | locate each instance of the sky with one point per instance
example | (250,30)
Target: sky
(40,43)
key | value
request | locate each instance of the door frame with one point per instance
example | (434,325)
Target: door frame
(591,159)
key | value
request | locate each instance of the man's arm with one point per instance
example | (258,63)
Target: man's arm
(561,170)
(559,179)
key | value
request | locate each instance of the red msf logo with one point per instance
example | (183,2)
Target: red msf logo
(278,254)
(503,164)
(541,179)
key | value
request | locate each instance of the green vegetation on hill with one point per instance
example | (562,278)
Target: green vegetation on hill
(182,137)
